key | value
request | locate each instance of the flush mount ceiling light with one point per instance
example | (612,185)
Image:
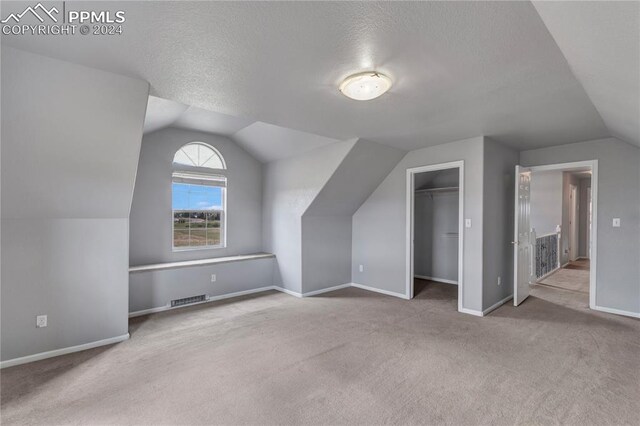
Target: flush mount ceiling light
(365,86)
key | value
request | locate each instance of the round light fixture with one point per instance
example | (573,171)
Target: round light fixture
(365,86)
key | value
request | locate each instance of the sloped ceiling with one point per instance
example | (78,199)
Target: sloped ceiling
(601,41)
(163,113)
(263,141)
(460,69)
(267,142)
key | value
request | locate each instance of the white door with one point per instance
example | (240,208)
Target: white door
(523,251)
(573,223)
(589,222)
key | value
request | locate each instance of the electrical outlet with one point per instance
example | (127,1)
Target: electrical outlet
(361,268)
(41,321)
(213,278)
(499,280)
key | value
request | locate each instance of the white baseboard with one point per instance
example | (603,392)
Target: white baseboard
(471,312)
(486,311)
(311,293)
(617,311)
(439,280)
(287,291)
(209,299)
(497,305)
(377,290)
(326,290)
(236,294)
(62,351)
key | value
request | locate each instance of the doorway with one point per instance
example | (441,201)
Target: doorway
(435,231)
(573,222)
(554,245)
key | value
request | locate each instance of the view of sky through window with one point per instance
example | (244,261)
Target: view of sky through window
(196,197)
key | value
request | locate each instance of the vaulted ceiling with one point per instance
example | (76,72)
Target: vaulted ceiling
(526,75)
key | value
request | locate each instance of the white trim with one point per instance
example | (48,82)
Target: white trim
(378,290)
(497,305)
(62,351)
(617,311)
(326,290)
(488,310)
(471,312)
(438,280)
(409,268)
(594,217)
(200,262)
(287,291)
(209,299)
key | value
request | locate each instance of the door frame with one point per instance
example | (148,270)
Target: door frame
(410,206)
(574,226)
(593,263)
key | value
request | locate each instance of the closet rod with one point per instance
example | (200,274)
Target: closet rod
(447,189)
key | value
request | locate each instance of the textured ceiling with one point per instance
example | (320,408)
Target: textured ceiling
(461,69)
(601,41)
(265,142)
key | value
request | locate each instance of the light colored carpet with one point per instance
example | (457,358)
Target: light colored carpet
(348,357)
(569,278)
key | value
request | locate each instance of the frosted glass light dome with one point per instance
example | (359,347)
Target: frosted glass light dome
(365,86)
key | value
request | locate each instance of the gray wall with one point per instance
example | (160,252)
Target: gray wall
(326,224)
(584,188)
(151,218)
(154,289)
(499,193)
(435,246)
(70,143)
(326,252)
(379,225)
(289,187)
(618,268)
(546,201)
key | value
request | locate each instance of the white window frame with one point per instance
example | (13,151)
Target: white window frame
(201,176)
(193,178)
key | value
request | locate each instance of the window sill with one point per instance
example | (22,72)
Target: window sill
(195,248)
(201,262)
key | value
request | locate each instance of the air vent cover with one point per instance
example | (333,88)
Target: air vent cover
(189,300)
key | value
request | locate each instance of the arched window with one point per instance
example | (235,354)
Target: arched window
(198,197)
(198,154)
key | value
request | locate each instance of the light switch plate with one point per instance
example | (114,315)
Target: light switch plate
(41,321)
(467,223)
(616,222)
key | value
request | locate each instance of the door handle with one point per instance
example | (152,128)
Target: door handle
(515,243)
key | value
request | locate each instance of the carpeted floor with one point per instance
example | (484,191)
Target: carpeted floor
(347,357)
(574,277)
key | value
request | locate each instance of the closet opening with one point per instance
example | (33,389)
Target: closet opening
(435,229)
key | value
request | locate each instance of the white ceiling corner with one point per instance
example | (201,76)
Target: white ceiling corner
(211,122)
(268,142)
(161,113)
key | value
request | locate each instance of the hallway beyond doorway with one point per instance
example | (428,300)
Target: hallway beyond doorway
(574,276)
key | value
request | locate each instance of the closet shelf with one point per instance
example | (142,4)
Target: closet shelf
(432,190)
